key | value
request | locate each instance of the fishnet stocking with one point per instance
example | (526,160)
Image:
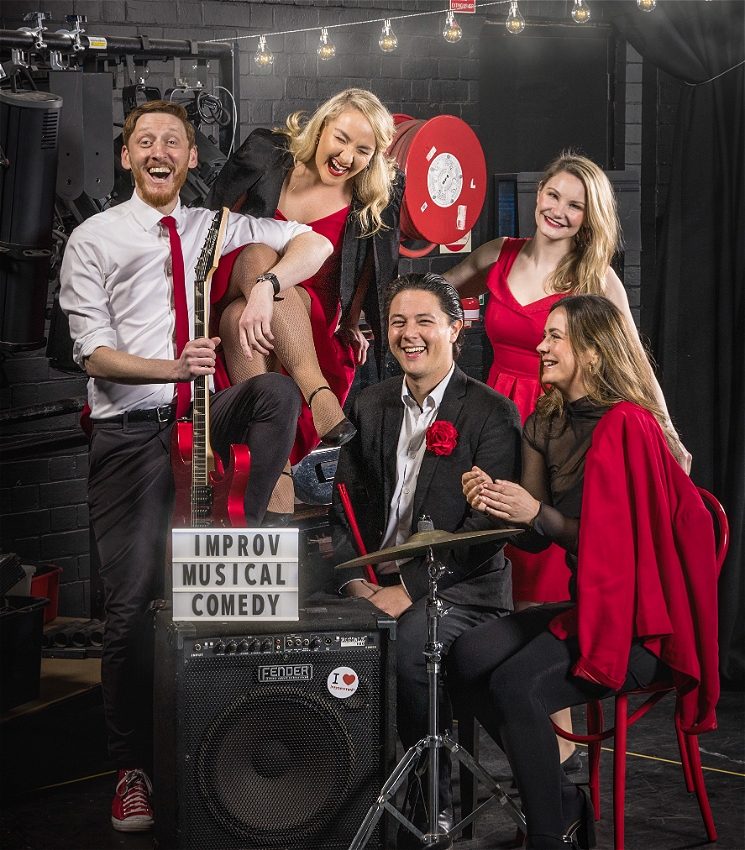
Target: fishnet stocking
(282,500)
(293,342)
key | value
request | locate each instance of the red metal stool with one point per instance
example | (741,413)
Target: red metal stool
(687,744)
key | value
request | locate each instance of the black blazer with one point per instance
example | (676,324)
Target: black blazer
(251,182)
(488,426)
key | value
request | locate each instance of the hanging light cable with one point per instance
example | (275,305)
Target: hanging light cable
(646,5)
(580,12)
(387,41)
(452,31)
(326,49)
(515,22)
(264,57)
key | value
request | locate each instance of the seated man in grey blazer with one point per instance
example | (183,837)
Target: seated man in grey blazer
(415,438)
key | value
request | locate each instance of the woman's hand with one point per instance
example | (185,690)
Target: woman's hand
(683,456)
(352,335)
(509,501)
(255,323)
(472,483)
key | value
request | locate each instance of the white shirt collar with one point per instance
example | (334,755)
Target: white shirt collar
(434,398)
(147,217)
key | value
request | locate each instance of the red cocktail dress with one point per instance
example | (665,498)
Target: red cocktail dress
(514,331)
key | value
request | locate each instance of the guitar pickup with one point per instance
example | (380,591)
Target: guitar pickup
(201,500)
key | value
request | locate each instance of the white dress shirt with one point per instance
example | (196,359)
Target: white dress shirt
(412,444)
(117,287)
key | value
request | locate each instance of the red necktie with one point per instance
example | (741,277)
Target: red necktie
(183,388)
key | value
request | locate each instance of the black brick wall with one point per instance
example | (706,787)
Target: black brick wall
(43,496)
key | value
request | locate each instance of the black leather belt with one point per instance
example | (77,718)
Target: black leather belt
(163,415)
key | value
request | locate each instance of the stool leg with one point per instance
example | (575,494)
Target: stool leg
(694,757)
(594,727)
(683,747)
(619,770)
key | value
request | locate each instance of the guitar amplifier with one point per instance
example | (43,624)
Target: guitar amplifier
(273,738)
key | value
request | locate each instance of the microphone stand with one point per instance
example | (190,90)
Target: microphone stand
(433,742)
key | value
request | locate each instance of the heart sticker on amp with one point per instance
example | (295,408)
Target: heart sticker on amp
(342,682)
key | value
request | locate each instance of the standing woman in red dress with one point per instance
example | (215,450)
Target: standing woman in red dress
(577,233)
(332,173)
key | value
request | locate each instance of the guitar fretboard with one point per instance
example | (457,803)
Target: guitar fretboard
(201,491)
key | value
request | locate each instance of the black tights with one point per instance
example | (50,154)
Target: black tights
(515,673)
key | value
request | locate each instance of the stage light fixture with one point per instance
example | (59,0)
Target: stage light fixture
(264,57)
(515,22)
(646,5)
(580,12)
(387,41)
(452,31)
(326,49)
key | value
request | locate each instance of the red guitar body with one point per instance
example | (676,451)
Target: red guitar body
(228,487)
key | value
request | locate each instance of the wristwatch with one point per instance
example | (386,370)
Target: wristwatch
(275,283)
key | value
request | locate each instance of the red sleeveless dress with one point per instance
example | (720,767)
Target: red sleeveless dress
(335,357)
(514,331)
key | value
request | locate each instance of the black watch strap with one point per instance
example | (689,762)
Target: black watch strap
(274,281)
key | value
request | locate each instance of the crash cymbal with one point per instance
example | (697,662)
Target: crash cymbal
(418,544)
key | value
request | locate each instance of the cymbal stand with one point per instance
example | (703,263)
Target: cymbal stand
(433,742)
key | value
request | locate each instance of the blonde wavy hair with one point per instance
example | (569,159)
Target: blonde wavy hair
(372,186)
(583,269)
(622,370)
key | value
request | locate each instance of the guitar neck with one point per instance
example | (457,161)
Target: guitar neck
(202,458)
(201,450)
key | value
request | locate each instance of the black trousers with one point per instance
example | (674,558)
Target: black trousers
(130,496)
(412,681)
(515,673)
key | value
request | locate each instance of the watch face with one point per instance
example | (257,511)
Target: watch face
(444,179)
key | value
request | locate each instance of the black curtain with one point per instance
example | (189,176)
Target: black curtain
(697,325)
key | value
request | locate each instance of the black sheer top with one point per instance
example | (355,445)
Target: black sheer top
(554,451)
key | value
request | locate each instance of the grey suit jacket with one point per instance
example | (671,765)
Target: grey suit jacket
(489,436)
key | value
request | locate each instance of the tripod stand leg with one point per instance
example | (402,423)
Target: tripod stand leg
(387,792)
(464,757)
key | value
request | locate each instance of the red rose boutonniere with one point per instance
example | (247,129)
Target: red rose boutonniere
(441,437)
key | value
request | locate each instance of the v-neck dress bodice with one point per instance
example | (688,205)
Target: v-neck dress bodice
(514,331)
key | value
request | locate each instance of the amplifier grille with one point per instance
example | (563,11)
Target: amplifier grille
(49,129)
(279,765)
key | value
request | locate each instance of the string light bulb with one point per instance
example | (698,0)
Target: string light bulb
(326,49)
(264,57)
(452,31)
(515,22)
(387,41)
(646,5)
(580,12)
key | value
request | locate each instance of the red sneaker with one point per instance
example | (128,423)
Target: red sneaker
(130,810)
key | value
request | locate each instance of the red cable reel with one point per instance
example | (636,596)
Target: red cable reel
(445,179)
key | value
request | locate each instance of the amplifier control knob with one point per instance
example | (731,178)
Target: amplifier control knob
(266,645)
(315,643)
(231,647)
(220,648)
(254,646)
(243,646)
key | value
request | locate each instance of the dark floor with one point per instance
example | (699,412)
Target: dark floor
(57,787)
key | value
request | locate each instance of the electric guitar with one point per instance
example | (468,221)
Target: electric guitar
(206,494)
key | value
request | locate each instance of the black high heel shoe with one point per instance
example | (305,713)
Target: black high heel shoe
(580,815)
(341,433)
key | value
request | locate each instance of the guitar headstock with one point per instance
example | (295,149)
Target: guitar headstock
(210,256)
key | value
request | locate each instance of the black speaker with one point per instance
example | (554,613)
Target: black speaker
(276,737)
(29,127)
